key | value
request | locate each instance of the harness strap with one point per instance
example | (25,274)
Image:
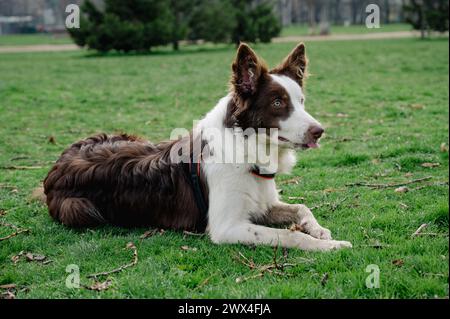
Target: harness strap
(194,174)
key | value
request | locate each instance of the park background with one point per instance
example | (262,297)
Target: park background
(380,179)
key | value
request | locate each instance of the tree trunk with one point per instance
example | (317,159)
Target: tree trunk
(311,16)
(387,11)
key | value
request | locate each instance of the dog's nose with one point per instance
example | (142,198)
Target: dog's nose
(316,131)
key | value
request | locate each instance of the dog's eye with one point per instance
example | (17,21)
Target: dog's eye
(302,100)
(277,103)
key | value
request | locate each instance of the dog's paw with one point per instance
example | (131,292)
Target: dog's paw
(320,232)
(327,245)
(338,244)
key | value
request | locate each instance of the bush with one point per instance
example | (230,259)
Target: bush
(138,25)
(426,15)
(133,25)
(212,21)
(254,22)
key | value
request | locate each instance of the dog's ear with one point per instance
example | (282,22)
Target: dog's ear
(247,71)
(294,65)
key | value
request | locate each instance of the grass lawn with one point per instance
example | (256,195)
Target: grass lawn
(384,105)
(299,30)
(32,39)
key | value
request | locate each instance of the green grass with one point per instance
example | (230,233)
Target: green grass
(385,108)
(301,30)
(32,39)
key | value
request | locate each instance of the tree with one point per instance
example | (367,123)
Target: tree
(212,20)
(426,15)
(181,11)
(266,23)
(254,22)
(132,25)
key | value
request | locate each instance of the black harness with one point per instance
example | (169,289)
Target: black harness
(193,173)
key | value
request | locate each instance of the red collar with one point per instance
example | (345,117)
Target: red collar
(256,171)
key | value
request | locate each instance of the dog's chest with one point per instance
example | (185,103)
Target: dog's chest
(252,194)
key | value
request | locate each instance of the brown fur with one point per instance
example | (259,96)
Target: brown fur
(294,65)
(122,180)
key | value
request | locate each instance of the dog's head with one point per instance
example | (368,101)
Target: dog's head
(273,98)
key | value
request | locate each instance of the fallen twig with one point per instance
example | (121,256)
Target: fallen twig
(296,198)
(204,282)
(14,167)
(17,230)
(429,184)
(19,158)
(333,206)
(121,268)
(193,234)
(377,186)
(433,234)
(249,263)
(417,232)
(293,180)
(324,279)
(274,267)
(7,186)
(242,279)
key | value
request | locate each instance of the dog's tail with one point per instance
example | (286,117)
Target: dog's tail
(75,212)
(38,194)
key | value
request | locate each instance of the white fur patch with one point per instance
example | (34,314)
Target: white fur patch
(295,127)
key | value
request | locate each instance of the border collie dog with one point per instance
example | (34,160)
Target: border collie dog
(127,181)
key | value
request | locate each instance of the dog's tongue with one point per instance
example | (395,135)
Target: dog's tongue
(313,145)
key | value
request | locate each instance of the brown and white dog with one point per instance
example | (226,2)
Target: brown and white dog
(126,181)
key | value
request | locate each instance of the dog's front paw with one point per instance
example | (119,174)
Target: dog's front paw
(320,232)
(325,245)
(338,244)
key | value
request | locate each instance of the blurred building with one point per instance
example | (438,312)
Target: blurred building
(25,16)
(340,12)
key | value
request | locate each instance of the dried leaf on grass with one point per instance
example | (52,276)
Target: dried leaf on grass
(7,295)
(30,257)
(398,262)
(10,291)
(402,189)
(148,233)
(100,286)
